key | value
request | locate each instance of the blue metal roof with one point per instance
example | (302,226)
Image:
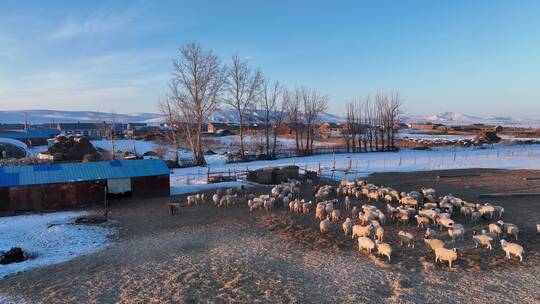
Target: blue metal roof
(28,134)
(73,172)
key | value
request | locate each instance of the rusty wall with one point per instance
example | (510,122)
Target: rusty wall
(50,196)
(151,186)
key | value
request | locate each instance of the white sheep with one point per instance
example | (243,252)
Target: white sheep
(443,254)
(490,234)
(476,216)
(496,229)
(365,217)
(433,243)
(383,249)
(216,198)
(422,221)
(286,201)
(406,238)
(306,207)
(191,200)
(509,228)
(466,211)
(381,216)
(427,191)
(482,239)
(512,249)
(444,222)
(268,204)
(378,232)
(361,231)
(456,233)
(336,214)
(486,209)
(347,226)
(320,213)
(365,243)
(499,210)
(347,203)
(324,226)
(430,233)
(402,218)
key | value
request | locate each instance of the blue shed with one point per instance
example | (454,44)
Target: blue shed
(64,185)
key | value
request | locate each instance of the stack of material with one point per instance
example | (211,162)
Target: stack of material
(273,175)
(73,149)
(487,137)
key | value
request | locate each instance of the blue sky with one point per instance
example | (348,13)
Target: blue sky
(473,57)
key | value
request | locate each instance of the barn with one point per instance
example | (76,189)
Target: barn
(67,185)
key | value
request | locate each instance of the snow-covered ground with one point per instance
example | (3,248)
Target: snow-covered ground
(141,146)
(362,164)
(424,136)
(50,238)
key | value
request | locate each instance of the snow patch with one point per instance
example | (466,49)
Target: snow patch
(50,238)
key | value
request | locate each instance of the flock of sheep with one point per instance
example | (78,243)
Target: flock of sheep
(365,223)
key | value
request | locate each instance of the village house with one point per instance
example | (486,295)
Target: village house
(94,130)
(329,129)
(220,128)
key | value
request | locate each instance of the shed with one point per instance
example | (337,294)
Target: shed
(67,185)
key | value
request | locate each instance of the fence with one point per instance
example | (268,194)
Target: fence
(290,153)
(354,167)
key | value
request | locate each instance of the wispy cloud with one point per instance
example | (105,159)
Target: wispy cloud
(97,23)
(119,81)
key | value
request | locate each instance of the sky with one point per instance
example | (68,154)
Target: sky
(473,57)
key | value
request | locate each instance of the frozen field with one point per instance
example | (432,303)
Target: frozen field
(49,238)
(362,164)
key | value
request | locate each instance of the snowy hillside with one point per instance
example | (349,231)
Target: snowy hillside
(224,114)
(453,118)
(228,115)
(52,116)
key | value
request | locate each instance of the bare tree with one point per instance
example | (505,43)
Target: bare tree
(243,86)
(277,120)
(366,121)
(196,88)
(109,130)
(293,113)
(269,103)
(347,127)
(166,107)
(392,110)
(314,105)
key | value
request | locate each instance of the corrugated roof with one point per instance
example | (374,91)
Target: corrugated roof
(32,133)
(72,172)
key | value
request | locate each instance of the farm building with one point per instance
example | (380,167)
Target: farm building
(31,137)
(66,185)
(329,128)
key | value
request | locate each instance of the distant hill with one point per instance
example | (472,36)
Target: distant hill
(224,114)
(228,115)
(52,116)
(453,118)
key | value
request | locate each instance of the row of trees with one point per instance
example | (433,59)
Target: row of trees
(201,83)
(370,125)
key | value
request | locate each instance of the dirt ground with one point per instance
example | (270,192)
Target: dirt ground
(221,255)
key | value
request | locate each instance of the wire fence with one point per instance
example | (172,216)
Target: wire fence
(353,167)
